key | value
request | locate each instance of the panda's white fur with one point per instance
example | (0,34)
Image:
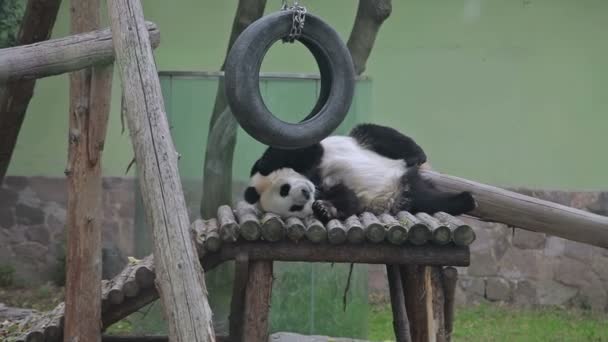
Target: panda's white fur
(271,200)
(373,178)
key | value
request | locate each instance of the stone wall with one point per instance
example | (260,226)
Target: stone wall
(507,264)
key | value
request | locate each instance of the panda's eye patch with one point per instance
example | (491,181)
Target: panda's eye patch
(285,190)
(296,208)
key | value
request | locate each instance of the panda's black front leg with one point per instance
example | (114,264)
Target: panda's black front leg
(389,142)
(336,202)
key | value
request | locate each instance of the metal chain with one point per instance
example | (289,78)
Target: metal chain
(299,15)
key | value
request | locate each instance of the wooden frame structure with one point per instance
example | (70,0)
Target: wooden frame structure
(422,289)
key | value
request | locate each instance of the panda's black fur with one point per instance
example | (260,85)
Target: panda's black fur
(372,160)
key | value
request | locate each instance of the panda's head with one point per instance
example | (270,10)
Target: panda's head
(284,192)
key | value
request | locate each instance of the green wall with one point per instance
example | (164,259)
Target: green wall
(504,92)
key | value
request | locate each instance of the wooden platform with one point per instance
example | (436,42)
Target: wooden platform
(404,239)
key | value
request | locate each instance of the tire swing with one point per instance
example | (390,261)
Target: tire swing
(242,69)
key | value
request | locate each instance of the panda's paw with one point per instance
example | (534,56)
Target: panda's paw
(323,211)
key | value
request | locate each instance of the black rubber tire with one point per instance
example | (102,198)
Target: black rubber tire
(242,88)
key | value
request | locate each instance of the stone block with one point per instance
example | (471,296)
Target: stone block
(526,239)
(30,252)
(554,246)
(483,263)
(572,272)
(38,233)
(579,251)
(29,215)
(473,286)
(16,183)
(7,218)
(520,264)
(553,293)
(50,189)
(599,265)
(8,198)
(525,294)
(498,289)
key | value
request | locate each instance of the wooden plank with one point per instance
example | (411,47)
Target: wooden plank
(90,97)
(179,275)
(257,302)
(517,210)
(36,25)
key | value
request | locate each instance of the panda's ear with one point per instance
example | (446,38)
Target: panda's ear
(251,195)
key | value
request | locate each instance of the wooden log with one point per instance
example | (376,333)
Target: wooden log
(449,277)
(374,230)
(197,230)
(295,229)
(354,230)
(401,323)
(211,236)
(229,230)
(441,233)
(237,305)
(370,16)
(517,210)
(179,274)
(248,221)
(144,273)
(272,227)
(315,231)
(148,338)
(418,233)
(36,25)
(90,98)
(365,253)
(462,234)
(62,55)
(336,233)
(395,232)
(257,301)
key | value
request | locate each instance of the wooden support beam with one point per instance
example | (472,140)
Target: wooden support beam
(424,301)
(179,275)
(90,97)
(517,210)
(61,55)
(449,277)
(257,302)
(237,305)
(37,25)
(401,324)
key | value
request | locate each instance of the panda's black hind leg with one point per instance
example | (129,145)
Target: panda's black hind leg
(389,143)
(425,197)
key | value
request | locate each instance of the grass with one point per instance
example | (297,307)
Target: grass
(488,322)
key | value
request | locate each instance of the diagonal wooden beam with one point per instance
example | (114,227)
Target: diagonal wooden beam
(36,26)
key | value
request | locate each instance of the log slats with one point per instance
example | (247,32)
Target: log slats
(440,233)
(268,237)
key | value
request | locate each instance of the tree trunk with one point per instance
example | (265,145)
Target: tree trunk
(217,170)
(36,26)
(90,92)
(179,275)
(370,16)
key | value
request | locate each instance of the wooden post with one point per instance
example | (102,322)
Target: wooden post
(179,275)
(90,92)
(37,24)
(257,302)
(424,302)
(449,277)
(401,323)
(517,210)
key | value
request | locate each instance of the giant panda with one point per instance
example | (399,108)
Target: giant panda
(374,168)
